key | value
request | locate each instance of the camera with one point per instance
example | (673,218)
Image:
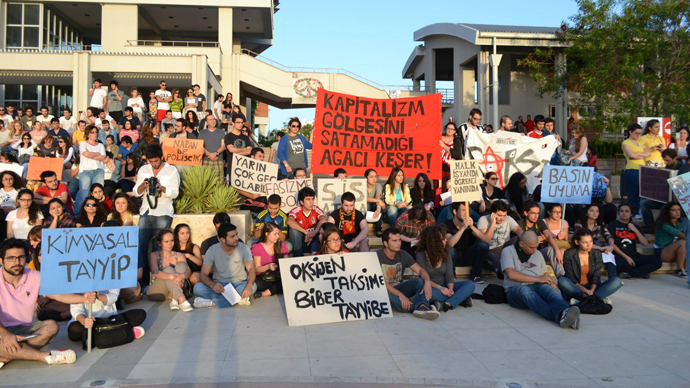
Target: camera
(153,189)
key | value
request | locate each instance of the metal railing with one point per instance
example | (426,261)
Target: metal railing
(448,95)
(173,43)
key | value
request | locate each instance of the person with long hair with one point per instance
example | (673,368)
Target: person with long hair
(48,146)
(432,255)
(169,271)
(332,242)
(192,122)
(65,151)
(17,131)
(97,192)
(190,103)
(147,137)
(128,176)
(11,184)
(593,220)
(423,191)
(374,202)
(635,154)
(626,235)
(669,239)
(592,157)
(91,214)
(25,217)
(681,143)
(557,225)
(516,194)
(583,266)
(177,104)
(396,195)
(654,141)
(447,143)
(411,224)
(267,254)
(292,149)
(578,147)
(25,150)
(92,155)
(128,130)
(59,216)
(190,251)
(123,210)
(490,190)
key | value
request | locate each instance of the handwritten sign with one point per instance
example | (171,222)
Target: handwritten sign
(251,175)
(184,152)
(330,190)
(681,188)
(88,259)
(654,183)
(358,133)
(38,165)
(566,184)
(15,168)
(334,288)
(464,178)
(288,191)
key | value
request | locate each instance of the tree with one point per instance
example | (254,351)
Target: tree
(626,58)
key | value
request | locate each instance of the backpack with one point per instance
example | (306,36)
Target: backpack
(594,305)
(492,294)
(109,332)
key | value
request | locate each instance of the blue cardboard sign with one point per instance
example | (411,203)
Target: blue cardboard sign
(88,259)
(567,184)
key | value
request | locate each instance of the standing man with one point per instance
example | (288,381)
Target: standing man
(529,125)
(214,145)
(459,150)
(352,224)
(200,100)
(68,122)
(236,142)
(163,97)
(218,107)
(115,100)
(538,131)
(99,97)
(157,209)
(506,124)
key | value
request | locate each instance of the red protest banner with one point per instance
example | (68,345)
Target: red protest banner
(358,133)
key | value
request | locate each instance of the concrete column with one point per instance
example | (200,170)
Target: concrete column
(81,82)
(200,75)
(415,85)
(229,44)
(430,71)
(2,34)
(482,84)
(119,23)
(458,88)
(561,99)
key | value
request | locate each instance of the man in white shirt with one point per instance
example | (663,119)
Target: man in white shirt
(98,95)
(459,150)
(5,117)
(218,107)
(163,97)
(157,210)
(102,116)
(44,117)
(68,122)
(5,136)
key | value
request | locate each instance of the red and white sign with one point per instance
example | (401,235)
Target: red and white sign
(665,126)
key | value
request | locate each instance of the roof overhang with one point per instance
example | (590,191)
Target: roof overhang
(481,35)
(412,62)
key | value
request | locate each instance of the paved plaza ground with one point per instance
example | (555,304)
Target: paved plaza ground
(644,342)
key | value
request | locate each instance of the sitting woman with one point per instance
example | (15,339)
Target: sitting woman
(11,184)
(26,216)
(123,210)
(104,307)
(267,254)
(423,191)
(490,190)
(582,266)
(396,195)
(374,202)
(169,271)
(626,234)
(46,307)
(557,225)
(516,194)
(128,176)
(411,225)
(97,192)
(91,214)
(332,242)
(433,256)
(58,216)
(594,222)
(669,240)
(190,251)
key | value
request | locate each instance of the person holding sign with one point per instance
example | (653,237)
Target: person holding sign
(292,149)
(629,263)
(352,224)
(396,195)
(669,241)
(305,221)
(466,243)
(267,254)
(19,292)
(170,272)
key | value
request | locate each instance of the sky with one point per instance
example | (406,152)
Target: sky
(374,38)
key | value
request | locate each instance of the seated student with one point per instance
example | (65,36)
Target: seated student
(128,295)
(331,241)
(190,251)
(351,223)
(127,146)
(557,225)
(490,190)
(267,254)
(103,200)
(58,216)
(466,244)
(18,297)
(393,262)
(647,205)
(271,214)
(629,263)
(305,221)
(601,196)
(592,220)
(232,263)
(496,228)
(105,306)
(169,271)
(300,173)
(11,184)
(52,188)
(669,240)
(340,173)
(218,220)
(583,266)
(24,217)
(516,194)
(123,210)
(128,175)
(434,258)
(396,195)
(112,168)
(35,238)
(547,244)
(47,308)
(423,191)
(411,224)
(91,214)
(529,287)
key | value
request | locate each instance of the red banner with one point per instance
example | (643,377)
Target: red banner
(358,133)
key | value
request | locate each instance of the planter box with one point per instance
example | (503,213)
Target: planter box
(202,224)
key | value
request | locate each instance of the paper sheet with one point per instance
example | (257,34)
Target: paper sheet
(446,198)
(371,218)
(231,294)
(608,258)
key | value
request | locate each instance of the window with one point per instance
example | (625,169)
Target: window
(22,96)
(23,25)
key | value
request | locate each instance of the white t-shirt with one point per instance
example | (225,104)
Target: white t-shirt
(68,124)
(501,231)
(5,136)
(45,120)
(110,120)
(7,119)
(136,101)
(98,98)
(21,227)
(85,163)
(8,198)
(217,107)
(163,94)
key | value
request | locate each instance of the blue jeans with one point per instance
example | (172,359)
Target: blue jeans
(538,297)
(411,289)
(201,290)
(462,290)
(86,179)
(632,183)
(148,227)
(646,207)
(296,238)
(570,290)
(393,213)
(476,256)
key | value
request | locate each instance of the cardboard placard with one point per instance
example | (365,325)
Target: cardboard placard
(330,190)
(16,168)
(251,175)
(567,184)
(183,152)
(654,183)
(358,133)
(334,288)
(464,181)
(287,189)
(38,165)
(680,185)
(88,259)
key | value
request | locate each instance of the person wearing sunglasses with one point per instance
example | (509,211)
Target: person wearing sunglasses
(292,150)
(176,104)
(91,215)
(490,190)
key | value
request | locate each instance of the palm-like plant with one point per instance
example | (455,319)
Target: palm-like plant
(202,192)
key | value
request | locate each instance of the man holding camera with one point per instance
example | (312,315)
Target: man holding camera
(158,183)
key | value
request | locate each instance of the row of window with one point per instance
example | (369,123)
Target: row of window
(35,96)
(24,24)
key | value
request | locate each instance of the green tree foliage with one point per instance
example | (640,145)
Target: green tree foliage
(627,58)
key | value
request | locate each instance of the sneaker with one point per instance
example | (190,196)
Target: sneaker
(574,301)
(174,306)
(624,275)
(138,332)
(467,303)
(244,302)
(637,218)
(478,280)
(645,276)
(186,307)
(576,324)
(201,303)
(425,312)
(2,364)
(438,305)
(61,357)
(607,301)
(258,295)
(569,316)
(681,273)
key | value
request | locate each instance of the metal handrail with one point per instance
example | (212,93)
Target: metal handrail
(173,43)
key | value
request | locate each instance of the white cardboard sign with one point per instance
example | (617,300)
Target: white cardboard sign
(251,175)
(330,190)
(288,189)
